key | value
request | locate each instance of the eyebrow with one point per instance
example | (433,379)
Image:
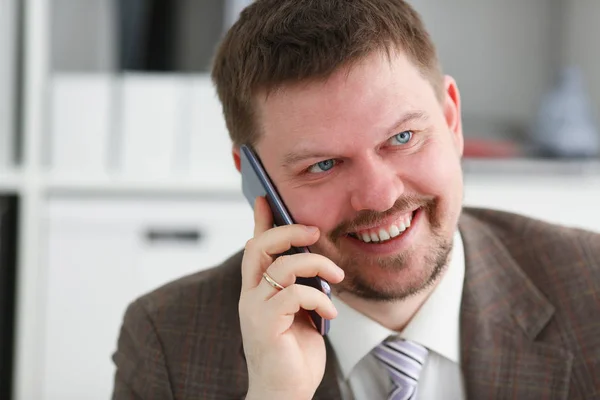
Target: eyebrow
(292,158)
(408,117)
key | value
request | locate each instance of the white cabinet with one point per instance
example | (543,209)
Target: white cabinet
(101,255)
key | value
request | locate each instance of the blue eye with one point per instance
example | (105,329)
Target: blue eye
(322,166)
(403,137)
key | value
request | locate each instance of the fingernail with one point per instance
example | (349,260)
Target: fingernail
(311,229)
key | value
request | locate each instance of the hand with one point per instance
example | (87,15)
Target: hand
(284,352)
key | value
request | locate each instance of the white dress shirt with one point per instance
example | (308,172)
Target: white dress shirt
(436,326)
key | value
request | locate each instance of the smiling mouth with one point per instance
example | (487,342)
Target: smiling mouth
(383,234)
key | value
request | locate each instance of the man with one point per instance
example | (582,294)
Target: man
(346,105)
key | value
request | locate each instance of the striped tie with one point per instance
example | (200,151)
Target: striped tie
(403,360)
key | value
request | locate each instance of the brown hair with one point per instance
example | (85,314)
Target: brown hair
(283,42)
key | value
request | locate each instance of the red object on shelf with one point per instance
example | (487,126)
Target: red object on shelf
(486,148)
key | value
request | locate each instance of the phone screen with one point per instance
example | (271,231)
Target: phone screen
(255,183)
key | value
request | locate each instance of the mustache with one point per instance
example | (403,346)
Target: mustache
(370,217)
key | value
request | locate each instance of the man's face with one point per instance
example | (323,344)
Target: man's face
(362,156)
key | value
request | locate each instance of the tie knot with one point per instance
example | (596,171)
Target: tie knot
(404,361)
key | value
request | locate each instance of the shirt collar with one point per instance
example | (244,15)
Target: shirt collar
(353,335)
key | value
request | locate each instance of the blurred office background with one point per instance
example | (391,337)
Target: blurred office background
(115,171)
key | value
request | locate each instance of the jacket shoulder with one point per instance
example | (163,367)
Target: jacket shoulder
(562,262)
(185,337)
(529,232)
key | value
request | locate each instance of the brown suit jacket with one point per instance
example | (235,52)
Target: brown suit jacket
(530,321)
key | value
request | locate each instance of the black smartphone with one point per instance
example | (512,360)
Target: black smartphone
(255,183)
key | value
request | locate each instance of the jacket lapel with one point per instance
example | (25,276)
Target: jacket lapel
(502,313)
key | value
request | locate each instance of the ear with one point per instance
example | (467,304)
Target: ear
(452,112)
(235,152)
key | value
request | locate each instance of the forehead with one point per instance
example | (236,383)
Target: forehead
(363,98)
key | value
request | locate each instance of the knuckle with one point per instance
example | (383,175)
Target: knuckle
(285,258)
(295,290)
(281,261)
(289,297)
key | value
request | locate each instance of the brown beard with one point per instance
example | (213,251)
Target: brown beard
(431,265)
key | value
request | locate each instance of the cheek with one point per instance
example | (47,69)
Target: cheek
(316,206)
(436,171)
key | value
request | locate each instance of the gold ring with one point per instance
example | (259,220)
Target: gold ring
(272,282)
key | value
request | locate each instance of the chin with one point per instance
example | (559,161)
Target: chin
(397,277)
(400,266)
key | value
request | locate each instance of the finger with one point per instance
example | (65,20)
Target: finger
(285,269)
(263,217)
(280,239)
(263,221)
(259,251)
(285,304)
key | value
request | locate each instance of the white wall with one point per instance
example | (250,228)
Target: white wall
(582,43)
(83,34)
(504,54)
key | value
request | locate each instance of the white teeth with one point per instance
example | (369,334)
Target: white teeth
(386,234)
(394,231)
(408,220)
(383,234)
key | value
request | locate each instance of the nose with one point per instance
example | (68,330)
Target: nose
(376,185)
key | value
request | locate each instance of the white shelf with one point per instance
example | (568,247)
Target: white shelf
(110,185)
(529,167)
